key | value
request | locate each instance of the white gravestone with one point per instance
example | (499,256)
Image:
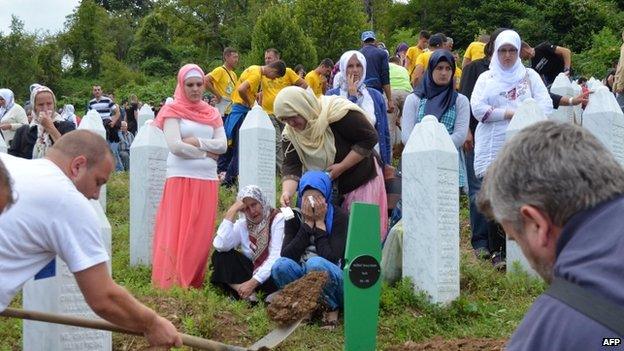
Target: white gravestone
(603,117)
(257,153)
(60,294)
(145,113)
(562,86)
(431,211)
(3,145)
(527,114)
(148,159)
(93,122)
(578,109)
(594,84)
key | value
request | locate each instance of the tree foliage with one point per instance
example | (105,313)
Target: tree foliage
(18,51)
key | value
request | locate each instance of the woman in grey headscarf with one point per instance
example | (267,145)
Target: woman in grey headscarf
(12,115)
(69,114)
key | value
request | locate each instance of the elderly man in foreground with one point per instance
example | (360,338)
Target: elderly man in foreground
(559,194)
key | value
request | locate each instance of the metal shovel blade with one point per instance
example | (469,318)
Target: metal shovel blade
(275,337)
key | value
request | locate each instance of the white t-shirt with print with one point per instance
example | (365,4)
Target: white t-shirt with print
(50,217)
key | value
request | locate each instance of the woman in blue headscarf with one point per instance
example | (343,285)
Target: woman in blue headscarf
(315,240)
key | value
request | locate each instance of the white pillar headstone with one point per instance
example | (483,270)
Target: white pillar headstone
(60,294)
(562,86)
(578,109)
(145,113)
(594,84)
(3,145)
(603,117)
(431,211)
(148,168)
(93,122)
(527,114)
(256,157)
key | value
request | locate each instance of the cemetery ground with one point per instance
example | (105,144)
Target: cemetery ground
(490,306)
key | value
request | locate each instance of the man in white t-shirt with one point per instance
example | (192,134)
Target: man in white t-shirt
(52,216)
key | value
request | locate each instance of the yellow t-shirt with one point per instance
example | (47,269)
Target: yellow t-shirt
(253,74)
(316,82)
(224,81)
(475,51)
(412,54)
(270,88)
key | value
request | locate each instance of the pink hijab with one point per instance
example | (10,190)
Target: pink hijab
(182,107)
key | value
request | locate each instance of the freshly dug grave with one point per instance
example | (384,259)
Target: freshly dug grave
(298,299)
(439,344)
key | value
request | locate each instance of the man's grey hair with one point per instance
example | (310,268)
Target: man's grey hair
(558,168)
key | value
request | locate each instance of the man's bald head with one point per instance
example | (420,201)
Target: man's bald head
(82,142)
(85,158)
(6,191)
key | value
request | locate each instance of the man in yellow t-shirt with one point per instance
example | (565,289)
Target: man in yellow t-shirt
(317,78)
(414,51)
(243,97)
(436,42)
(270,88)
(222,81)
(476,50)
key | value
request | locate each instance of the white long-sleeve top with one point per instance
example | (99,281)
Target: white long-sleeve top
(186,160)
(489,110)
(410,117)
(233,235)
(16,117)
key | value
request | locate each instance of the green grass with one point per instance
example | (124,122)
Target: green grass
(490,306)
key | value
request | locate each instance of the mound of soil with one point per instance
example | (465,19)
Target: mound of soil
(439,344)
(298,299)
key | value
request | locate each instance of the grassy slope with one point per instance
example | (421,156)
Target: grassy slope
(491,304)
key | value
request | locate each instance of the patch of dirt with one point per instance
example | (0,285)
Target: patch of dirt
(298,299)
(439,344)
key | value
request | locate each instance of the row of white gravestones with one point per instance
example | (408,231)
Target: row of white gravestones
(604,118)
(60,294)
(527,114)
(148,168)
(145,113)
(93,122)
(563,86)
(257,153)
(431,211)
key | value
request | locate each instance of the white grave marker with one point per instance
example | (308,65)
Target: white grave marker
(604,118)
(257,153)
(562,86)
(527,114)
(578,109)
(431,211)
(148,159)
(60,294)
(145,113)
(93,122)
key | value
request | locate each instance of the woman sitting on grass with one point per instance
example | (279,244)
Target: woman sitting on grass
(315,241)
(259,235)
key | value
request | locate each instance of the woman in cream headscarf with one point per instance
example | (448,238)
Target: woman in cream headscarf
(32,141)
(12,115)
(330,134)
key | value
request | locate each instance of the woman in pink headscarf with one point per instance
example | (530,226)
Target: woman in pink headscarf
(187,213)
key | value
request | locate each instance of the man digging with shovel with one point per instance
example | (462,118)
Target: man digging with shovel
(51,215)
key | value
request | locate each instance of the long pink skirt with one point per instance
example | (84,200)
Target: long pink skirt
(183,232)
(373,192)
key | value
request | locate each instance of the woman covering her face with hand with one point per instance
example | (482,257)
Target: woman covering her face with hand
(32,141)
(185,220)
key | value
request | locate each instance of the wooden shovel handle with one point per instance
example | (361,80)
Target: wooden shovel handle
(187,340)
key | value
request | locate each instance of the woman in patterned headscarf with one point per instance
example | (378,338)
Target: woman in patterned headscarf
(259,235)
(46,126)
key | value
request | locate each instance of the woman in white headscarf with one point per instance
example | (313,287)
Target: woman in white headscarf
(32,141)
(497,95)
(69,115)
(258,235)
(12,115)
(352,87)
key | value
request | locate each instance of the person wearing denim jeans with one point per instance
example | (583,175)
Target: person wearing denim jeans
(315,240)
